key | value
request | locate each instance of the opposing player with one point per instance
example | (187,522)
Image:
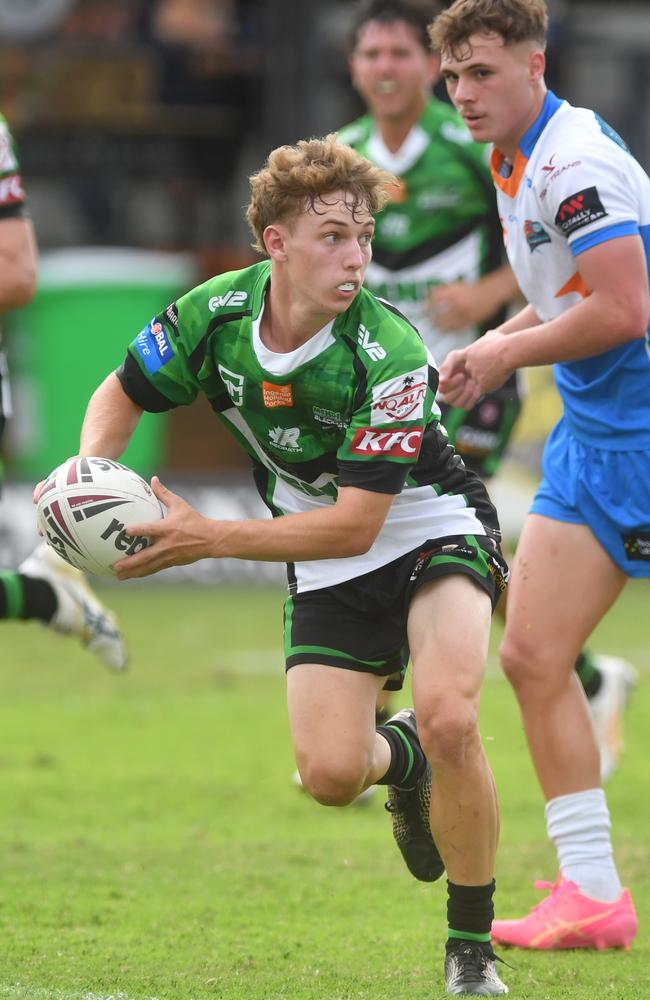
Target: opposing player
(576,213)
(44,588)
(386,536)
(437,255)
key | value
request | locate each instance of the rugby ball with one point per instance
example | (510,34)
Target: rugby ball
(84,508)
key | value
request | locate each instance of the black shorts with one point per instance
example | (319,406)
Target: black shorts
(361,624)
(481,435)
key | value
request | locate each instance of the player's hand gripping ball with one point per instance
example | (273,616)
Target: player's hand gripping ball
(84,508)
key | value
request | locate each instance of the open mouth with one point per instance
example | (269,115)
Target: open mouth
(347,286)
(386,87)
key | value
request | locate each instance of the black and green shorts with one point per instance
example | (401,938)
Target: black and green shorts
(361,624)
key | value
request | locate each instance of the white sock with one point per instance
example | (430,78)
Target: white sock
(579,826)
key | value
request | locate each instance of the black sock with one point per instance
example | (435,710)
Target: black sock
(588,673)
(26,597)
(407,761)
(470,912)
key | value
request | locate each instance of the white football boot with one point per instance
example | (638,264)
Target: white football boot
(607,707)
(79,611)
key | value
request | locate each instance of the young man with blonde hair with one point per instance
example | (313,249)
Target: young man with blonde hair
(575,207)
(387,538)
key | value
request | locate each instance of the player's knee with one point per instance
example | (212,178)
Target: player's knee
(331,784)
(449,735)
(524,663)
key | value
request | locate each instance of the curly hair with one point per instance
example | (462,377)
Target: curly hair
(513,20)
(294,178)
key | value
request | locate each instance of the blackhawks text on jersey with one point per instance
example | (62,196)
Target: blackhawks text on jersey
(573,185)
(353,406)
(440,225)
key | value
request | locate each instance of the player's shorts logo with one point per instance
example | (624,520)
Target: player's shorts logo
(580,209)
(637,545)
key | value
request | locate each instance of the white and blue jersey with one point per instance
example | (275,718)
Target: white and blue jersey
(574,184)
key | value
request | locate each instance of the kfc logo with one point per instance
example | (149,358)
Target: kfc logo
(396,444)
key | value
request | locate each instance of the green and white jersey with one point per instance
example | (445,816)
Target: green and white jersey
(441,224)
(353,406)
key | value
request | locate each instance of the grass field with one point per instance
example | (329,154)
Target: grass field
(153,845)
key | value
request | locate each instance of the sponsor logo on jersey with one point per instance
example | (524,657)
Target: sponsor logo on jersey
(277,395)
(234,384)
(397,444)
(171,312)
(552,173)
(329,417)
(153,346)
(229,299)
(637,545)
(579,210)
(535,234)
(374,350)
(11,190)
(285,438)
(393,225)
(399,398)
(8,159)
(429,201)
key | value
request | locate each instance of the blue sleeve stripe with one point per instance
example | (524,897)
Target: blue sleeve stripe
(603,235)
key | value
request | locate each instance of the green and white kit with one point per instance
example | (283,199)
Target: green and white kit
(353,406)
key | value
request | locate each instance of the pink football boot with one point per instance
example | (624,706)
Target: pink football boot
(568,919)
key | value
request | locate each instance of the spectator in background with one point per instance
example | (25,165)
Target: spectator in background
(44,588)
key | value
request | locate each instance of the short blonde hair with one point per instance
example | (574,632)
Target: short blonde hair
(513,20)
(295,177)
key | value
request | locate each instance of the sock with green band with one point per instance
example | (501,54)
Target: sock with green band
(470,911)
(407,761)
(26,597)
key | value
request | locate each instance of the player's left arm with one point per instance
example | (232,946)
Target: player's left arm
(18,263)
(347,528)
(615,309)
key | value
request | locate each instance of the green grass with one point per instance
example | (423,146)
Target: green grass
(152,843)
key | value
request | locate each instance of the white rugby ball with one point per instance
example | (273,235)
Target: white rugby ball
(84,508)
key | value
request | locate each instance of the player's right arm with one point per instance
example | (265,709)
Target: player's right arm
(110,420)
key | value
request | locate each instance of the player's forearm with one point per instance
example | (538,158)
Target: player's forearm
(292,538)
(110,420)
(18,264)
(523,320)
(347,528)
(591,327)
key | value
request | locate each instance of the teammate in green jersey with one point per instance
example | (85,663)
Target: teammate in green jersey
(387,537)
(44,588)
(437,255)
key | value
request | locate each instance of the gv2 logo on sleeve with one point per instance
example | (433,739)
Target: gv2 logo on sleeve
(229,299)
(581,209)
(374,350)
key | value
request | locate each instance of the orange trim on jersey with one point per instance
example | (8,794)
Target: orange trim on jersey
(509,185)
(574,284)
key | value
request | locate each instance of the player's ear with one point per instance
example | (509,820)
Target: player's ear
(274,241)
(537,65)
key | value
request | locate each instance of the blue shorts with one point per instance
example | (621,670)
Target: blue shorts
(608,491)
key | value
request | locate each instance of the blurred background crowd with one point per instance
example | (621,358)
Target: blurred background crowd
(138,123)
